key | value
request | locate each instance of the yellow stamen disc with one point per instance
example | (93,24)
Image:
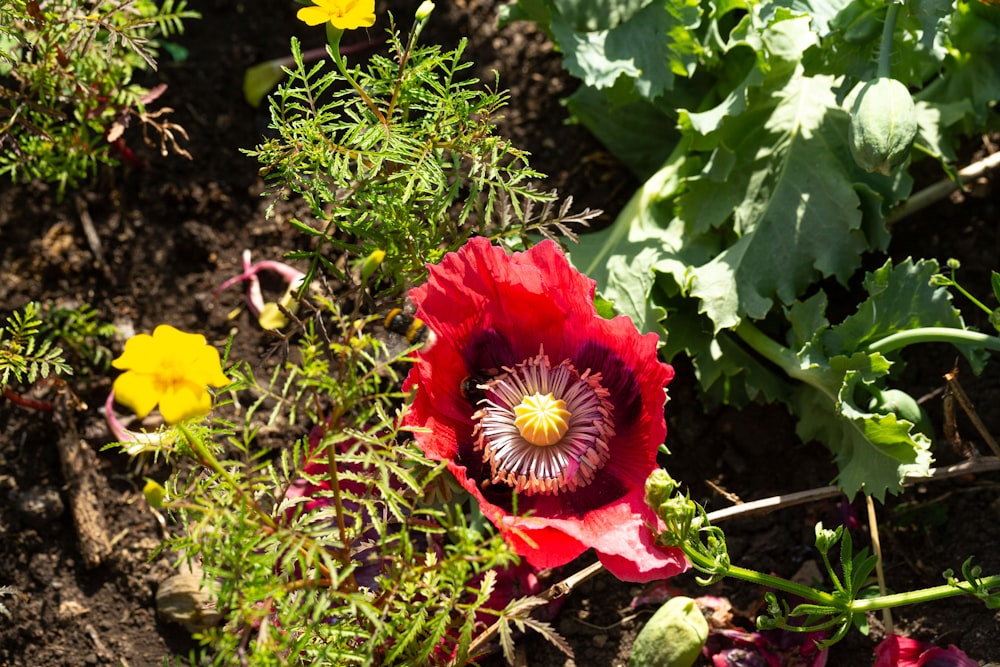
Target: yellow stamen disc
(542,420)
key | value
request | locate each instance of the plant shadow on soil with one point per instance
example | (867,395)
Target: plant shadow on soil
(172,230)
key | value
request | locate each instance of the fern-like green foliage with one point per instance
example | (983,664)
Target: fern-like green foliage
(380,571)
(66,88)
(80,331)
(25,356)
(400,156)
(383,560)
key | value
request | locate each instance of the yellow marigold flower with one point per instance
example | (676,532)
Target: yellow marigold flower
(343,14)
(170,368)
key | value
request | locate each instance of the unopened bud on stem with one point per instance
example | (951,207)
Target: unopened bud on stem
(424,10)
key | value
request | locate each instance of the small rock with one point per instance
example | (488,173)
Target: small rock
(39,506)
(43,568)
(8,486)
(71,609)
(185,599)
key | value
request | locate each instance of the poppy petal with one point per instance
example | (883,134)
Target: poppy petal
(491,312)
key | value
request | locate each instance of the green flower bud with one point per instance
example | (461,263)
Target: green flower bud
(941,280)
(673,637)
(660,486)
(679,513)
(883,125)
(904,406)
(826,538)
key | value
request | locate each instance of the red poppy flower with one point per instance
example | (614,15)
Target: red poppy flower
(896,651)
(548,414)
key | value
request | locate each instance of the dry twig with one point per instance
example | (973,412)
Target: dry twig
(78,462)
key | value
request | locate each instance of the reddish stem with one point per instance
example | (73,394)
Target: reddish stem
(28,403)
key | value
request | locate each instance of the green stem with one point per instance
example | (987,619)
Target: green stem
(207,458)
(404,57)
(783,357)
(934,335)
(766,580)
(779,355)
(885,48)
(836,603)
(922,595)
(667,179)
(345,550)
(333,36)
(971,298)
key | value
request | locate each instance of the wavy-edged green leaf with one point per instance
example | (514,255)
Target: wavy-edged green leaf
(873,452)
(625,125)
(651,46)
(625,257)
(728,372)
(796,211)
(901,297)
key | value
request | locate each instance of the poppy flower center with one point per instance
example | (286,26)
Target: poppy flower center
(544,429)
(542,420)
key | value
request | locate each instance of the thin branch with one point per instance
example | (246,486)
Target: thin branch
(879,570)
(963,399)
(934,193)
(773,503)
(566,586)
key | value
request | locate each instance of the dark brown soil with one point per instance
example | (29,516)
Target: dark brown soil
(172,230)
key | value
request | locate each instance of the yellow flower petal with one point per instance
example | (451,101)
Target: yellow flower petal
(343,14)
(175,341)
(353,22)
(170,368)
(313,15)
(359,14)
(137,391)
(184,401)
(207,368)
(271,317)
(140,354)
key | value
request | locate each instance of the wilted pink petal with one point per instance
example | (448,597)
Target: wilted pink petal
(897,651)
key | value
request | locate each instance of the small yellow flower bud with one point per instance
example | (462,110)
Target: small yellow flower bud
(271,318)
(372,262)
(154,493)
(424,10)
